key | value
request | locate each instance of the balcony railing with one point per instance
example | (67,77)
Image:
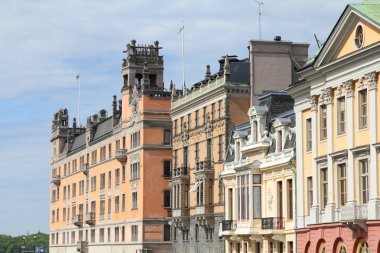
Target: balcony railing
(180,172)
(90,218)
(82,246)
(202,210)
(272,223)
(78,220)
(228,225)
(203,165)
(56,179)
(121,155)
(352,213)
(181,212)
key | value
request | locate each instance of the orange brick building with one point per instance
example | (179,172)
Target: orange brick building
(110,190)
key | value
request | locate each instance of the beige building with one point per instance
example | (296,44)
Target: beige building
(102,195)
(202,118)
(259,178)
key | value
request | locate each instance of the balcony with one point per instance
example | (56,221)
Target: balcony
(228,225)
(82,246)
(121,155)
(272,223)
(78,220)
(205,165)
(90,218)
(181,212)
(56,179)
(180,172)
(203,210)
(353,213)
(84,168)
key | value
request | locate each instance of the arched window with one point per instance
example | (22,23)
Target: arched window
(342,249)
(363,247)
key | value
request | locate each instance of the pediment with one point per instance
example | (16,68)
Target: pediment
(344,38)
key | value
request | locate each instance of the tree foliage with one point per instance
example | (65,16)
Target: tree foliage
(18,244)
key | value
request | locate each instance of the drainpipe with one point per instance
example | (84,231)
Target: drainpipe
(291,166)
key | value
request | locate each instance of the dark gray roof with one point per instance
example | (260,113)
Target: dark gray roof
(79,141)
(103,128)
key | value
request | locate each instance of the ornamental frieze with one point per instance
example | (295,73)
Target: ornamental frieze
(313,102)
(349,88)
(326,97)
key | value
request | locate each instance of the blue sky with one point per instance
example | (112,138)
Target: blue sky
(44,44)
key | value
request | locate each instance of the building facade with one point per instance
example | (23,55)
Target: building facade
(259,178)
(102,195)
(201,119)
(338,138)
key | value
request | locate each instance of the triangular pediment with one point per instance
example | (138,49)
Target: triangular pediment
(345,39)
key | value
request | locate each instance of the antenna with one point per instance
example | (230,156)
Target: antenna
(78,78)
(259,3)
(318,42)
(182,31)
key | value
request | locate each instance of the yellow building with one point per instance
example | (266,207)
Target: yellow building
(102,195)
(336,107)
(259,178)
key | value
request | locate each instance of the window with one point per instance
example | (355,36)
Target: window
(308,135)
(93,157)
(220,108)
(134,200)
(196,118)
(102,180)
(189,121)
(220,149)
(81,187)
(200,193)
(101,235)
(323,122)
(102,207)
(117,176)
(185,157)
(197,151)
(324,188)
(174,234)
(204,115)
(109,205)
(123,174)
(363,166)
(103,153)
(243,197)
(116,234)
(135,139)
(167,137)
(342,184)
(92,235)
(109,150)
(175,127)
(116,204)
(74,190)
(362,109)
(134,233)
(309,192)
(213,114)
(290,198)
(135,171)
(341,115)
(221,191)
(290,247)
(196,232)
(211,191)
(209,149)
(181,126)
(123,202)
(186,195)
(93,184)
(109,234)
(166,232)
(167,169)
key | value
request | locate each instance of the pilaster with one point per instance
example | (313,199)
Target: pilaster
(314,211)
(300,186)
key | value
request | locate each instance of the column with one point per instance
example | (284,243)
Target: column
(348,86)
(314,211)
(373,212)
(250,200)
(300,135)
(330,207)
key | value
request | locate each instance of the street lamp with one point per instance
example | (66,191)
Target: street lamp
(24,242)
(34,241)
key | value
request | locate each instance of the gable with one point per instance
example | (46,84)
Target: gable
(341,41)
(371,36)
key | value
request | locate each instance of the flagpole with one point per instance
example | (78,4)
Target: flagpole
(182,31)
(78,78)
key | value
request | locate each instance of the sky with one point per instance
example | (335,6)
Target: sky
(45,44)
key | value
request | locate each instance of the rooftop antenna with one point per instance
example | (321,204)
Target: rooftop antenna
(78,79)
(259,3)
(319,44)
(182,31)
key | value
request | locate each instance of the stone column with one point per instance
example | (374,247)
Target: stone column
(300,134)
(250,201)
(373,210)
(348,86)
(314,211)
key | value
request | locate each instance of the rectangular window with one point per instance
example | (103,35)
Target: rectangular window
(197,151)
(166,198)
(167,137)
(166,233)
(116,234)
(204,115)
(135,171)
(109,204)
(167,169)
(74,190)
(309,193)
(196,232)
(94,157)
(116,204)
(102,206)
(181,126)
(175,127)
(101,235)
(109,150)
(211,191)
(103,153)
(308,135)
(123,202)
(109,178)
(134,233)
(92,235)
(290,247)
(290,198)
(185,156)
(123,174)
(93,183)
(102,180)
(323,122)
(209,149)
(189,121)
(362,109)
(117,176)
(134,200)
(213,114)
(256,202)
(341,115)
(364,194)
(342,184)
(243,197)
(220,108)
(324,188)
(123,233)
(200,193)
(196,118)
(220,149)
